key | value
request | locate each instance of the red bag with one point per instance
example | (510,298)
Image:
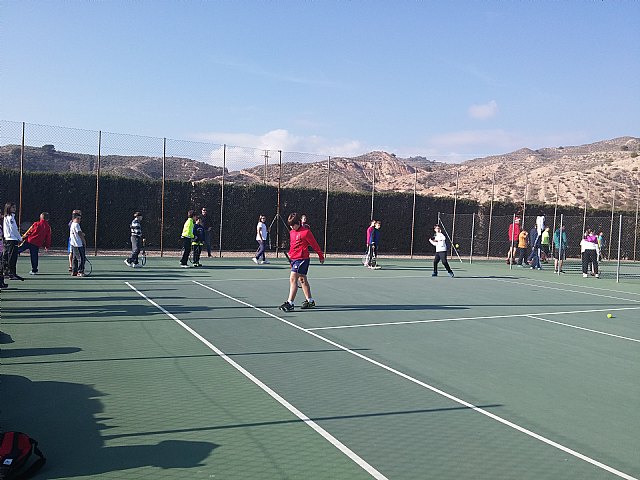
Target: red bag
(15,450)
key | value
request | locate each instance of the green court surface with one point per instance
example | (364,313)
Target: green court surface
(169,373)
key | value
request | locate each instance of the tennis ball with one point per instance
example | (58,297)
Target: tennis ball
(609,315)
(457,245)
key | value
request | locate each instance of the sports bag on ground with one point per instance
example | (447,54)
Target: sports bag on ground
(16,449)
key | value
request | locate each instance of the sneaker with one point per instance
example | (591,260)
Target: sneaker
(308,304)
(584,275)
(451,274)
(561,271)
(286,307)
(4,285)
(70,269)
(81,274)
(265,262)
(434,274)
(254,260)
(33,273)
(539,268)
(127,263)
(136,265)
(184,266)
(74,274)
(597,275)
(16,277)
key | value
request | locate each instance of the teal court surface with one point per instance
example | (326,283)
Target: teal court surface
(169,373)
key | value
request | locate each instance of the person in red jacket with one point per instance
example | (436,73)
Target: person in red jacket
(38,236)
(513,234)
(300,239)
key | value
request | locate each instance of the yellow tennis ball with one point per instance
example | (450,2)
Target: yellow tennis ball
(609,315)
(457,245)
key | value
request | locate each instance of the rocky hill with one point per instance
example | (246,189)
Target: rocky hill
(574,173)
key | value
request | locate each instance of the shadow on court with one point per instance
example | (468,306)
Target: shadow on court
(388,307)
(56,351)
(63,417)
(315,419)
(34,352)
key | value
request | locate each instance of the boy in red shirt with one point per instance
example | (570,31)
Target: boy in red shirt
(37,237)
(300,239)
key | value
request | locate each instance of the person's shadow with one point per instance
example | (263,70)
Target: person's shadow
(61,416)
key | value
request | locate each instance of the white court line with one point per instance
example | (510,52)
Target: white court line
(583,328)
(565,290)
(487,317)
(330,438)
(584,286)
(432,388)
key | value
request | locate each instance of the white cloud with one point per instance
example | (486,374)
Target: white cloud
(483,112)
(246,150)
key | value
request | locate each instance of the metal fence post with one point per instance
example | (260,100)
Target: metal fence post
(21,174)
(162,187)
(455,206)
(473,228)
(413,212)
(524,203)
(224,168)
(95,228)
(635,230)
(555,212)
(278,218)
(326,207)
(619,249)
(493,191)
(613,208)
(373,188)
(584,215)
(560,244)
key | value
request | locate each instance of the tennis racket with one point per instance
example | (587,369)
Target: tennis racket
(143,253)
(88,268)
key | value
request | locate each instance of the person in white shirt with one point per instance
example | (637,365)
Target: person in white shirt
(261,238)
(440,242)
(12,239)
(78,245)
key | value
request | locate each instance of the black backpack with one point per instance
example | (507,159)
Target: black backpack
(15,450)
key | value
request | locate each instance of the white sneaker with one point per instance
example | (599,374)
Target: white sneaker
(184,266)
(33,273)
(255,260)
(597,275)
(126,262)
(265,262)
(584,275)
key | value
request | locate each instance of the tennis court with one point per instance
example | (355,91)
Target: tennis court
(173,373)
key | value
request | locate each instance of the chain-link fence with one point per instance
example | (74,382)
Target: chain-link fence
(109,176)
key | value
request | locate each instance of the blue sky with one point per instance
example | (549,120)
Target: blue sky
(449,80)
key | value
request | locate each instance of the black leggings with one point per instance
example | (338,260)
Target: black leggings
(441,256)
(589,257)
(11,247)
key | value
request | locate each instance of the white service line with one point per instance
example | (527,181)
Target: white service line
(584,286)
(487,317)
(432,388)
(583,328)
(327,436)
(565,290)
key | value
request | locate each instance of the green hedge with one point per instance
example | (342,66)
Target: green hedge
(348,213)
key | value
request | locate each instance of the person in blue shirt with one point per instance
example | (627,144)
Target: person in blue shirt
(560,248)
